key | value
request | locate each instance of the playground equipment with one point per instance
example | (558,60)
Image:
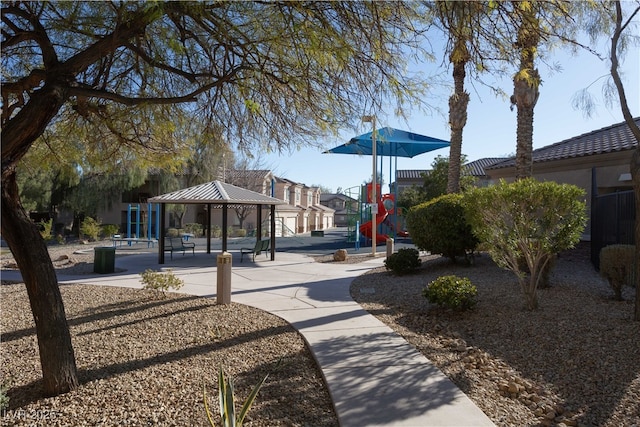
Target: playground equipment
(385,206)
(381,214)
(150,223)
(360,221)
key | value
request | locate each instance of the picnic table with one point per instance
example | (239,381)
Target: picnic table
(132,240)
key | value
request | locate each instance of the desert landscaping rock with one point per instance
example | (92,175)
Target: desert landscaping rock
(574,362)
(143,361)
(340,255)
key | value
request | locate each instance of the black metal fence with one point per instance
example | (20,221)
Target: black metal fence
(613,218)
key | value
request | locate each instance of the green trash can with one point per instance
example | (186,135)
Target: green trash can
(104,259)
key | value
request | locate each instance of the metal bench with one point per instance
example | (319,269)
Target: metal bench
(261,245)
(172,245)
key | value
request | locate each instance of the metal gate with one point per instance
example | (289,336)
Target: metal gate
(613,219)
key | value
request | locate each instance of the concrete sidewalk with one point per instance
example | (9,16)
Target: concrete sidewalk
(374,376)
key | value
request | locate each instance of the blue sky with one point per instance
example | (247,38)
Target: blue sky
(491,125)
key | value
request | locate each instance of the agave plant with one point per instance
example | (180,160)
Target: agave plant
(227,402)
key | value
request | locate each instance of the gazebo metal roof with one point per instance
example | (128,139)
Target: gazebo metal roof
(216,192)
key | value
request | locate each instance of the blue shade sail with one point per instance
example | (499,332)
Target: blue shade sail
(390,142)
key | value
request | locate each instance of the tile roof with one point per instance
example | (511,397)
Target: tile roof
(287,181)
(256,174)
(325,197)
(410,173)
(609,139)
(216,192)
(475,168)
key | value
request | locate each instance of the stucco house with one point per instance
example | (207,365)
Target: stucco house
(302,212)
(342,205)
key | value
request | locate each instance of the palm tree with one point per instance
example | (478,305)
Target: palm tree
(455,17)
(526,83)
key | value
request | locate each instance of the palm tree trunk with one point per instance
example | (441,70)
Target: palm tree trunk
(525,91)
(457,116)
(524,142)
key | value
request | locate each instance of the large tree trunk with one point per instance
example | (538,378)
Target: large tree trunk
(59,372)
(635,159)
(57,358)
(635,174)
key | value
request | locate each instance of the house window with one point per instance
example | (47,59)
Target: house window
(297,196)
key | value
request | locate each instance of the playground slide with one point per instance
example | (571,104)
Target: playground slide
(365,229)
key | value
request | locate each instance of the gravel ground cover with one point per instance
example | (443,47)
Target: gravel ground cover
(575,361)
(143,361)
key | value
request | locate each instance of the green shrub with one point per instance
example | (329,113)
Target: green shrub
(45,230)
(440,227)
(173,232)
(161,282)
(216,231)
(109,230)
(451,292)
(240,232)
(90,228)
(524,224)
(617,265)
(193,228)
(405,261)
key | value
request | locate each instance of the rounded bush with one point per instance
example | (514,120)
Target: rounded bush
(405,261)
(90,228)
(109,230)
(240,232)
(440,227)
(453,292)
(194,228)
(617,265)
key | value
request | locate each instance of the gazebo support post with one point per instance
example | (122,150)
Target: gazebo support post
(161,239)
(208,228)
(273,232)
(259,223)
(224,226)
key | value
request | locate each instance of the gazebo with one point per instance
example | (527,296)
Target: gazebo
(217,194)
